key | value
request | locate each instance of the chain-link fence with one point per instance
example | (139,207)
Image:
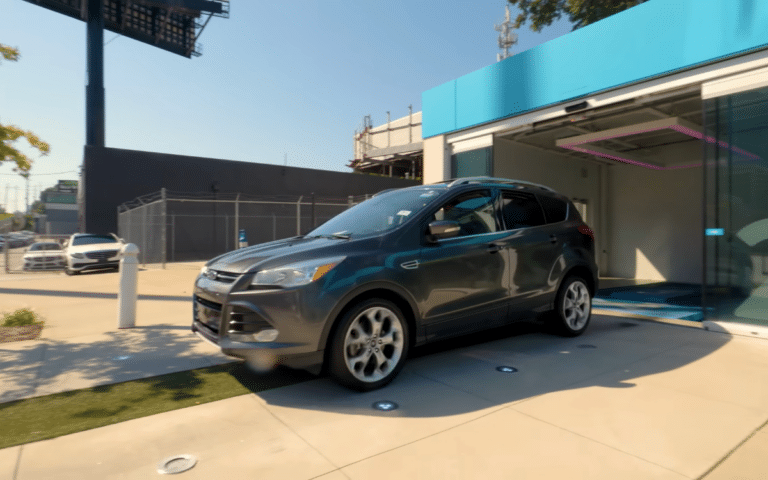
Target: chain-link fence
(180,227)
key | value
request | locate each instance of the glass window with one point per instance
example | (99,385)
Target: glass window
(473,211)
(93,239)
(554,208)
(474,163)
(736,211)
(521,210)
(380,213)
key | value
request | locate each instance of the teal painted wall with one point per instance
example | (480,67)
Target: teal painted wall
(650,40)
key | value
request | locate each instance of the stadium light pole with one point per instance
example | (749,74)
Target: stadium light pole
(94,91)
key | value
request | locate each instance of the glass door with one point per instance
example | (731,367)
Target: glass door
(736,207)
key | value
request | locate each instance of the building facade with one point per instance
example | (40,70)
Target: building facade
(654,121)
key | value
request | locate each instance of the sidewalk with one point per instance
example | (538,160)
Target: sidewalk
(628,399)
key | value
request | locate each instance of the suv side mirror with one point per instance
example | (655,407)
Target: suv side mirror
(440,229)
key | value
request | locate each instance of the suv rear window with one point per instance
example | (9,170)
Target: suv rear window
(554,208)
(521,210)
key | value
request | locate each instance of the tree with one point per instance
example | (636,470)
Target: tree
(581,13)
(9,134)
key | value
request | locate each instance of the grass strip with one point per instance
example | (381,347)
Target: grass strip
(50,416)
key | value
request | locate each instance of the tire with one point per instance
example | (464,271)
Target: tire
(369,346)
(70,272)
(573,308)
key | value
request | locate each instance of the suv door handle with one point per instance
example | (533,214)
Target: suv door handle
(553,238)
(494,247)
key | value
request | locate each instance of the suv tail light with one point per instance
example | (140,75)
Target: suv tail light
(586,231)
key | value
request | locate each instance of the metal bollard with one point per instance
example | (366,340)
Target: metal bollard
(126,297)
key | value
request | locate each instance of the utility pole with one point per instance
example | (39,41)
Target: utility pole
(26,199)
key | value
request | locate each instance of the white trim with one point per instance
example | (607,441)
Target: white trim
(471,144)
(735,84)
(695,76)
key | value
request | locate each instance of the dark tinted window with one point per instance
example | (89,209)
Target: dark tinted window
(554,208)
(521,210)
(474,212)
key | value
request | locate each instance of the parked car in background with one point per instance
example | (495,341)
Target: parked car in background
(88,251)
(44,256)
(407,267)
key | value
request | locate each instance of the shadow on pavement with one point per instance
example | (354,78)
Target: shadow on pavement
(460,375)
(51,366)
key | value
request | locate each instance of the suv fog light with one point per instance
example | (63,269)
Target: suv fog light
(266,335)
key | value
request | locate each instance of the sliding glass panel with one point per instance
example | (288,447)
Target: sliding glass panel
(736,207)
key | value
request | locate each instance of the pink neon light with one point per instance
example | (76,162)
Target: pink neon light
(678,128)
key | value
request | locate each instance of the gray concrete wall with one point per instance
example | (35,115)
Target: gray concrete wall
(656,223)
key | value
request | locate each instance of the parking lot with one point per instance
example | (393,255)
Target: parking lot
(628,399)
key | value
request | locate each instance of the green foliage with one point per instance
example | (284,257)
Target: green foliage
(9,134)
(542,13)
(9,53)
(21,317)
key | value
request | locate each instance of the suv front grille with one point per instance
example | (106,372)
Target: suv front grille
(219,276)
(208,313)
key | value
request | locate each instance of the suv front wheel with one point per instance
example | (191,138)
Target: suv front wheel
(573,308)
(370,345)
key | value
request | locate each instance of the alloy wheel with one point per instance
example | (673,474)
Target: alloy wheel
(373,344)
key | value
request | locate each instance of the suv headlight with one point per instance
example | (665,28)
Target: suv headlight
(296,274)
(77,255)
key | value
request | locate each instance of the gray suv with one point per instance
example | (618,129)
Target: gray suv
(407,267)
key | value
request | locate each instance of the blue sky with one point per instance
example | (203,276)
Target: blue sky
(275,78)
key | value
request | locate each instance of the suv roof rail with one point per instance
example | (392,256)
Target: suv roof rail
(505,181)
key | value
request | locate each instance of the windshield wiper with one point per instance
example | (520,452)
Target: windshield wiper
(339,235)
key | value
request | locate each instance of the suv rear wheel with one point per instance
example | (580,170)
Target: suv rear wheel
(370,345)
(573,308)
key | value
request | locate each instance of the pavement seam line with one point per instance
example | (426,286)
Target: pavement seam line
(732,451)
(452,387)
(424,438)
(511,407)
(265,405)
(18,463)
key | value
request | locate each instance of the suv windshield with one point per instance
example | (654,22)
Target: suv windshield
(93,239)
(382,212)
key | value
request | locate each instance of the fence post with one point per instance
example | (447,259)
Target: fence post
(163,223)
(298,216)
(350,201)
(237,221)
(313,211)
(173,238)
(6,254)
(143,248)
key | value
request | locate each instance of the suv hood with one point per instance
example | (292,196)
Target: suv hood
(247,259)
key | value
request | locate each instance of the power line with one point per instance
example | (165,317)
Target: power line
(37,174)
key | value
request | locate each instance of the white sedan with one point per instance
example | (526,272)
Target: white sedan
(88,251)
(44,256)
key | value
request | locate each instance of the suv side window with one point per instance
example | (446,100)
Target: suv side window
(554,208)
(474,212)
(520,209)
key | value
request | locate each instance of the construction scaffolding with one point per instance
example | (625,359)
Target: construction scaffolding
(178,227)
(395,149)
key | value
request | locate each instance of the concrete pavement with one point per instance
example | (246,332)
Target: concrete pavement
(628,399)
